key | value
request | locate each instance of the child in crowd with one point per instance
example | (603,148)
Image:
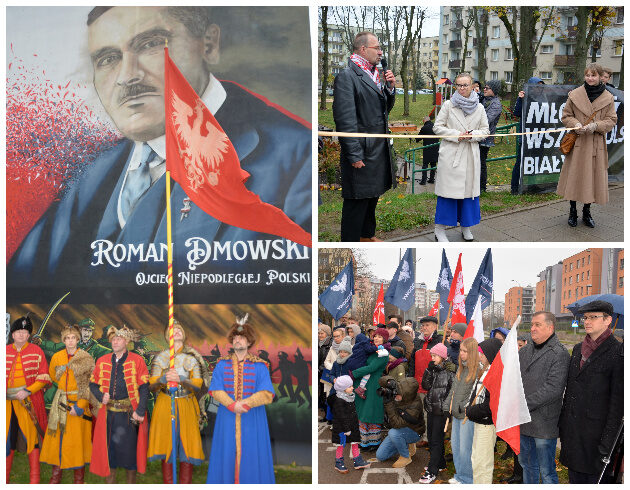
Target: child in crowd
(437,380)
(397,365)
(360,352)
(340,366)
(478,411)
(455,404)
(345,427)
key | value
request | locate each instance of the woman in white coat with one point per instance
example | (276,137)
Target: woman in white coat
(464,119)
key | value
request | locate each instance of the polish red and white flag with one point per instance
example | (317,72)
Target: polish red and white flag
(456,295)
(475,325)
(379,309)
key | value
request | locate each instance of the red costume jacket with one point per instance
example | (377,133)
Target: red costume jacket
(136,374)
(35,369)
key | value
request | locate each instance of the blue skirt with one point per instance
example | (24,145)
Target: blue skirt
(449,211)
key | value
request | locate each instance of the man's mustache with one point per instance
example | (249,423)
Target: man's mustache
(129,91)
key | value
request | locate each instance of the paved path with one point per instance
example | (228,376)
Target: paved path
(379,472)
(541,223)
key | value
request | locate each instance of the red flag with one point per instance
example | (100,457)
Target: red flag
(456,295)
(507,397)
(475,326)
(203,161)
(435,309)
(379,309)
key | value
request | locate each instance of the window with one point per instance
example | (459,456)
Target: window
(589,260)
(565,281)
(571,21)
(582,290)
(494,75)
(495,54)
(571,266)
(496,31)
(598,53)
(508,76)
(443,74)
(508,53)
(570,280)
(570,49)
(621,282)
(446,19)
(619,19)
(621,264)
(582,276)
(577,290)
(546,48)
(588,275)
(582,261)
(619,47)
(577,278)
(569,296)
(545,75)
(468,54)
(444,38)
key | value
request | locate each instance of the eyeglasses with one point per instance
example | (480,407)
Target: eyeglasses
(590,318)
(461,85)
(378,48)
(486,88)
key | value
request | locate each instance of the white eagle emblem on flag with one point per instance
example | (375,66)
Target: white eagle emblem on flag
(202,155)
(404,272)
(341,285)
(444,284)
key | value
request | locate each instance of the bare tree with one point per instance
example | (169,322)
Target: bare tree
(413,28)
(323,12)
(467,25)
(481,29)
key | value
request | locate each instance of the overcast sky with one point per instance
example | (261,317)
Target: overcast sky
(509,264)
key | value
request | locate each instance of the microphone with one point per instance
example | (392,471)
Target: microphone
(384,63)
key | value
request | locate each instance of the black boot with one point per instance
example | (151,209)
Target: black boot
(572,217)
(431,175)
(587,219)
(423,180)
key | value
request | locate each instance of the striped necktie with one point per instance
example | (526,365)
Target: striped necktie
(138,181)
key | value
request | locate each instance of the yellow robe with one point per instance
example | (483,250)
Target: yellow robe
(187,410)
(73,447)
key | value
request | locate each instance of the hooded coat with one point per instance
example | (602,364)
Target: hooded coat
(437,380)
(584,174)
(459,164)
(408,411)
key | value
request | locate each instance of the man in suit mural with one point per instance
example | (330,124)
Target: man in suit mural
(362,104)
(111,222)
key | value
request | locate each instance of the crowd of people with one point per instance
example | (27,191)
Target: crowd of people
(99,415)
(392,390)
(465,123)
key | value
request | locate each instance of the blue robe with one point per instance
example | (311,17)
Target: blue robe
(256,462)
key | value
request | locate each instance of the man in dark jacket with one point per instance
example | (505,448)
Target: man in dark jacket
(544,365)
(405,420)
(429,155)
(593,400)
(493,107)
(395,341)
(458,330)
(362,104)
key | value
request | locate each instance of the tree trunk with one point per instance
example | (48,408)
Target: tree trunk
(620,86)
(523,61)
(322,104)
(481,29)
(581,44)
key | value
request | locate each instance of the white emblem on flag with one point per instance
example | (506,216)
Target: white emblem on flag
(202,155)
(444,284)
(341,285)
(404,272)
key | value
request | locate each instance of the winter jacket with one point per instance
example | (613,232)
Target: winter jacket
(592,407)
(361,349)
(398,371)
(493,108)
(437,380)
(452,348)
(336,371)
(322,352)
(408,411)
(370,410)
(478,408)
(407,341)
(429,155)
(422,357)
(459,395)
(396,341)
(544,375)
(344,420)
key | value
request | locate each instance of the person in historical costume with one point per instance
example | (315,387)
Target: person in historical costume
(68,440)
(120,384)
(584,175)
(193,378)
(27,374)
(241,448)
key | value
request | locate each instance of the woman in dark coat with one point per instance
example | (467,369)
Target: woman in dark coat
(429,155)
(324,335)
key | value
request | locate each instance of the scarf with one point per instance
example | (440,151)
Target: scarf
(335,346)
(322,342)
(392,364)
(541,345)
(467,105)
(594,91)
(341,360)
(348,397)
(368,68)
(589,345)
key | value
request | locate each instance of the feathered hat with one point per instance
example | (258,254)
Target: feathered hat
(22,323)
(241,327)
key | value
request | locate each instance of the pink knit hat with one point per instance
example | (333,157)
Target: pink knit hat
(439,350)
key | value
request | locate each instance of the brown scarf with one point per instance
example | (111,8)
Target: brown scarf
(589,345)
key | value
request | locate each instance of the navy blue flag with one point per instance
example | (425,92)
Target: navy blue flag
(337,298)
(444,286)
(481,286)
(402,290)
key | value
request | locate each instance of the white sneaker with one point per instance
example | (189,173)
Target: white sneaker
(467,234)
(454,481)
(427,478)
(440,233)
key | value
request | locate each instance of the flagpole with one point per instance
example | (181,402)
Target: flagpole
(172,385)
(448,319)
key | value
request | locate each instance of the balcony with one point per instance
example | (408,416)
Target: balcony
(567,60)
(457,44)
(455,63)
(569,35)
(456,25)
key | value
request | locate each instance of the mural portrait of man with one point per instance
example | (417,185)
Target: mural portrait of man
(106,229)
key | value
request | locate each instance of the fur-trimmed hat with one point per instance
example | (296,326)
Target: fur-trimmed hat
(22,323)
(240,327)
(125,332)
(175,324)
(70,330)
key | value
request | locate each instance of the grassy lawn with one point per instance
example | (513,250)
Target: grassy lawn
(397,213)
(20,471)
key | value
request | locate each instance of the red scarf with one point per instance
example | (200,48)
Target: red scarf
(589,345)
(368,68)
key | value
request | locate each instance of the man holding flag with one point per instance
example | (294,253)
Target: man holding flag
(544,364)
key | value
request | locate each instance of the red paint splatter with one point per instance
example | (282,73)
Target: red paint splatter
(49,139)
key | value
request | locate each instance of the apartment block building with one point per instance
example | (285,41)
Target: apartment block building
(581,276)
(519,301)
(554,60)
